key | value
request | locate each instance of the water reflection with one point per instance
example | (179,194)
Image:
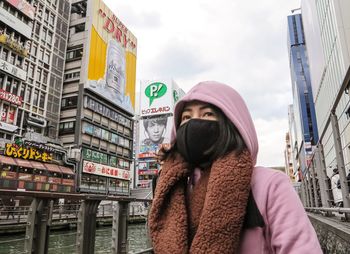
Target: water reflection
(62,242)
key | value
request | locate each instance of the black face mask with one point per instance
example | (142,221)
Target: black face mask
(195,140)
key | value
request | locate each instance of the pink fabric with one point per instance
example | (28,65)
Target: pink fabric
(230,102)
(288,229)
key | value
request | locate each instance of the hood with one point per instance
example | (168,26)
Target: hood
(231,104)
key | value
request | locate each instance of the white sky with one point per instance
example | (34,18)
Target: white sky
(240,43)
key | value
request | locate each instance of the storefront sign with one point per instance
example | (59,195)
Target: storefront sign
(95,156)
(13,44)
(12,98)
(39,146)
(12,70)
(8,127)
(103,170)
(68,182)
(15,23)
(31,153)
(8,175)
(24,7)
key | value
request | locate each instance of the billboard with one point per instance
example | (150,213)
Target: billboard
(112,58)
(154,130)
(158,97)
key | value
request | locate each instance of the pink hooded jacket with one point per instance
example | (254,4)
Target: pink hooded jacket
(287,228)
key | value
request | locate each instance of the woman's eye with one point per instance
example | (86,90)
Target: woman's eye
(185,117)
(208,114)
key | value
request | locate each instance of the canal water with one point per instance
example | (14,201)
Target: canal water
(62,242)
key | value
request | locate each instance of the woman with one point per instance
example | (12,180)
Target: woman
(210,196)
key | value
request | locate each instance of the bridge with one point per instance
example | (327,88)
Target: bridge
(331,224)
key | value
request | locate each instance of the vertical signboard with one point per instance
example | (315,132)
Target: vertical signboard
(112,58)
(154,130)
(156,98)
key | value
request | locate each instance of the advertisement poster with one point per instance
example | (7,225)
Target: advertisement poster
(103,170)
(154,131)
(157,97)
(112,58)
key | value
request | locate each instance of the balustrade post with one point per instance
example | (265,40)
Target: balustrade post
(38,226)
(120,228)
(314,185)
(340,162)
(86,227)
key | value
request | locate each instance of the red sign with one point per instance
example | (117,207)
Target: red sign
(116,27)
(103,170)
(24,7)
(12,98)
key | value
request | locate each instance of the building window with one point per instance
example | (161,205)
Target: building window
(74,54)
(67,127)
(69,102)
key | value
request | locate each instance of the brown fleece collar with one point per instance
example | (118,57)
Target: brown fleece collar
(223,212)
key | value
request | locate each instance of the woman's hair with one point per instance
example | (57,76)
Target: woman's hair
(229,139)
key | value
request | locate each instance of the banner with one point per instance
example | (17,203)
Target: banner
(112,58)
(103,170)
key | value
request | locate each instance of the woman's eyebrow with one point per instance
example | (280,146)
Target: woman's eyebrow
(206,107)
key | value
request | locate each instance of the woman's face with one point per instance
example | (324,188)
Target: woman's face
(199,110)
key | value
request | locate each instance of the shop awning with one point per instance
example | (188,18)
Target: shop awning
(23,163)
(7,160)
(38,165)
(53,167)
(66,170)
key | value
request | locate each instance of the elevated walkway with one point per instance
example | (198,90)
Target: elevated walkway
(333,233)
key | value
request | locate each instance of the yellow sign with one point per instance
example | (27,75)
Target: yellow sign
(31,153)
(13,44)
(112,58)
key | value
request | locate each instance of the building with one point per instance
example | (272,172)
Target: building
(306,134)
(326,32)
(98,98)
(33,39)
(327,25)
(155,121)
(288,156)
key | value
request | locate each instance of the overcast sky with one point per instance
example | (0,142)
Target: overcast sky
(240,43)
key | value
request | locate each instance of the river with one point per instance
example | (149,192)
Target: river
(62,242)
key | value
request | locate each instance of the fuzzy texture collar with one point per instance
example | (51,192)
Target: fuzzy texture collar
(224,209)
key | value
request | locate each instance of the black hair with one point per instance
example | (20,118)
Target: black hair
(161,120)
(229,139)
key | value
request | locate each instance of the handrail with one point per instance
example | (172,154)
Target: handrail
(149,250)
(331,209)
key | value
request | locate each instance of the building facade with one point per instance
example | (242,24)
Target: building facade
(306,134)
(98,98)
(327,26)
(33,40)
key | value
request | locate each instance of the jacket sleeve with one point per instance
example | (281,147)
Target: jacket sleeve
(289,227)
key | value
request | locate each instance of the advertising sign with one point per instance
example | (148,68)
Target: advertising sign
(112,58)
(156,98)
(23,6)
(15,23)
(154,131)
(12,98)
(103,170)
(13,150)
(12,70)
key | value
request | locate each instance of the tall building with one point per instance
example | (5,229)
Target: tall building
(288,156)
(33,40)
(33,44)
(155,122)
(327,25)
(303,106)
(98,100)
